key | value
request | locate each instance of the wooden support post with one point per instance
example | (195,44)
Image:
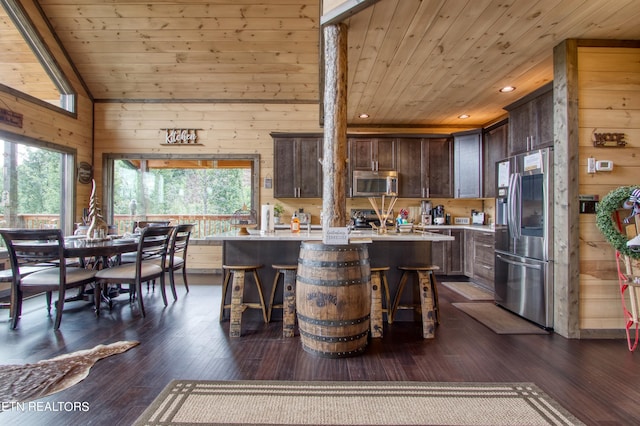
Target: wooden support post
(237,307)
(426,304)
(289,303)
(376,305)
(334,165)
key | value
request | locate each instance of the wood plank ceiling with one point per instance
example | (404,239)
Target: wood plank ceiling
(411,62)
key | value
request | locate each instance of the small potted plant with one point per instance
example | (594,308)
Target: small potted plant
(277,212)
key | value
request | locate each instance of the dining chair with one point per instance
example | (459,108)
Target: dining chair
(137,226)
(177,256)
(30,248)
(151,254)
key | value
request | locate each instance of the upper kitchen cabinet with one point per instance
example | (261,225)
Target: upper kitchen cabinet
(373,154)
(424,167)
(494,149)
(531,121)
(467,164)
(296,167)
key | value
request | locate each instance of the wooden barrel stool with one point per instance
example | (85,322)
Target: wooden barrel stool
(238,305)
(288,304)
(428,297)
(378,284)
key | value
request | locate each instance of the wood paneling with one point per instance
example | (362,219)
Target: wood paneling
(411,62)
(609,101)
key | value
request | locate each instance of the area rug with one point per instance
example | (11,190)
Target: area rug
(188,402)
(498,319)
(21,383)
(469,290)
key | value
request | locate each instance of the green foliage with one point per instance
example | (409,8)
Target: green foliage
(605,223)
(39,186)
(181,191)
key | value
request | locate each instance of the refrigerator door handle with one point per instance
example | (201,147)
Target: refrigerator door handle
(513,262)
(511,206)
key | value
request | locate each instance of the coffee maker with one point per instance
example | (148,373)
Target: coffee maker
(438,215)
(425,212)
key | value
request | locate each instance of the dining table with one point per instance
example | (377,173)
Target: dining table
(98,254)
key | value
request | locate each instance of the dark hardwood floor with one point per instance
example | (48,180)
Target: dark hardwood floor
(597,380)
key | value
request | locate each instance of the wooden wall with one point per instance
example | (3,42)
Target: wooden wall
(226,128)
(42,123)
(609,101)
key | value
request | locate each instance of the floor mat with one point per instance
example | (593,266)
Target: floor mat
(499,320)
(469,290)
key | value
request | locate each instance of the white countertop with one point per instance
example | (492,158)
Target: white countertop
(354,236)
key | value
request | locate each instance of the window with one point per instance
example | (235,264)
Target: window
(37,74)
(204,190)
(37,186)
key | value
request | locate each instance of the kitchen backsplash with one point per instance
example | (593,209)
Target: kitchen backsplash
(454,207)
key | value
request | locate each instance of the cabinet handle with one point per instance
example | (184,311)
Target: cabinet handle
(487,267)
(428,196)
(487,245)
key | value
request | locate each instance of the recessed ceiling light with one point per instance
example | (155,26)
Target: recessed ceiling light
(463,116)
(507,89)
(364,115)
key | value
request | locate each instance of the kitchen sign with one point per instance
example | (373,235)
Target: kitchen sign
(180,137)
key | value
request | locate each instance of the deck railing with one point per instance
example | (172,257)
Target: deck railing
(204,224)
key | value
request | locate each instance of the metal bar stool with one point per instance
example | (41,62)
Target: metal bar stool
(428,297)
(288,304)
(238,305)
(378,283)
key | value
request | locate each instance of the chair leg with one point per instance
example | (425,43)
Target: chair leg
(396,301)
(387,299)
(97,297)
(172,281)
(59,308)
(225,284)
(184,278)
(163,289)
(138,286)
(259,285)
(16,298)
(49,302)
(273,295)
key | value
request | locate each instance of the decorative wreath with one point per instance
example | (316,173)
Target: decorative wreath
(611,202)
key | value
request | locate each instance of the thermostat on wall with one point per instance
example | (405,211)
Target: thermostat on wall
(604,165)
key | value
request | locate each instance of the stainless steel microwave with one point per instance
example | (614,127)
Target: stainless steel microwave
(371,184)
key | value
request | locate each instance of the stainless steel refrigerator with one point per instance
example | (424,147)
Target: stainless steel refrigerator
(524,245)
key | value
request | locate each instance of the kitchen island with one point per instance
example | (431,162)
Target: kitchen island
(282,247)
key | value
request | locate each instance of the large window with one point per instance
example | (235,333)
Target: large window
(204,190)
(37,186)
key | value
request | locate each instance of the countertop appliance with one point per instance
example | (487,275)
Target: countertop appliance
(362,219)
(373,184)
(438,215)
(425,212)
(524,247)
(477,218)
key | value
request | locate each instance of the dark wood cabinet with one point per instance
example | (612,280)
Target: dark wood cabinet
(467,156)
(479,257)
(531,121)
(296,166)
(424,167)
(374,154)
(449,256)
(494,149)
